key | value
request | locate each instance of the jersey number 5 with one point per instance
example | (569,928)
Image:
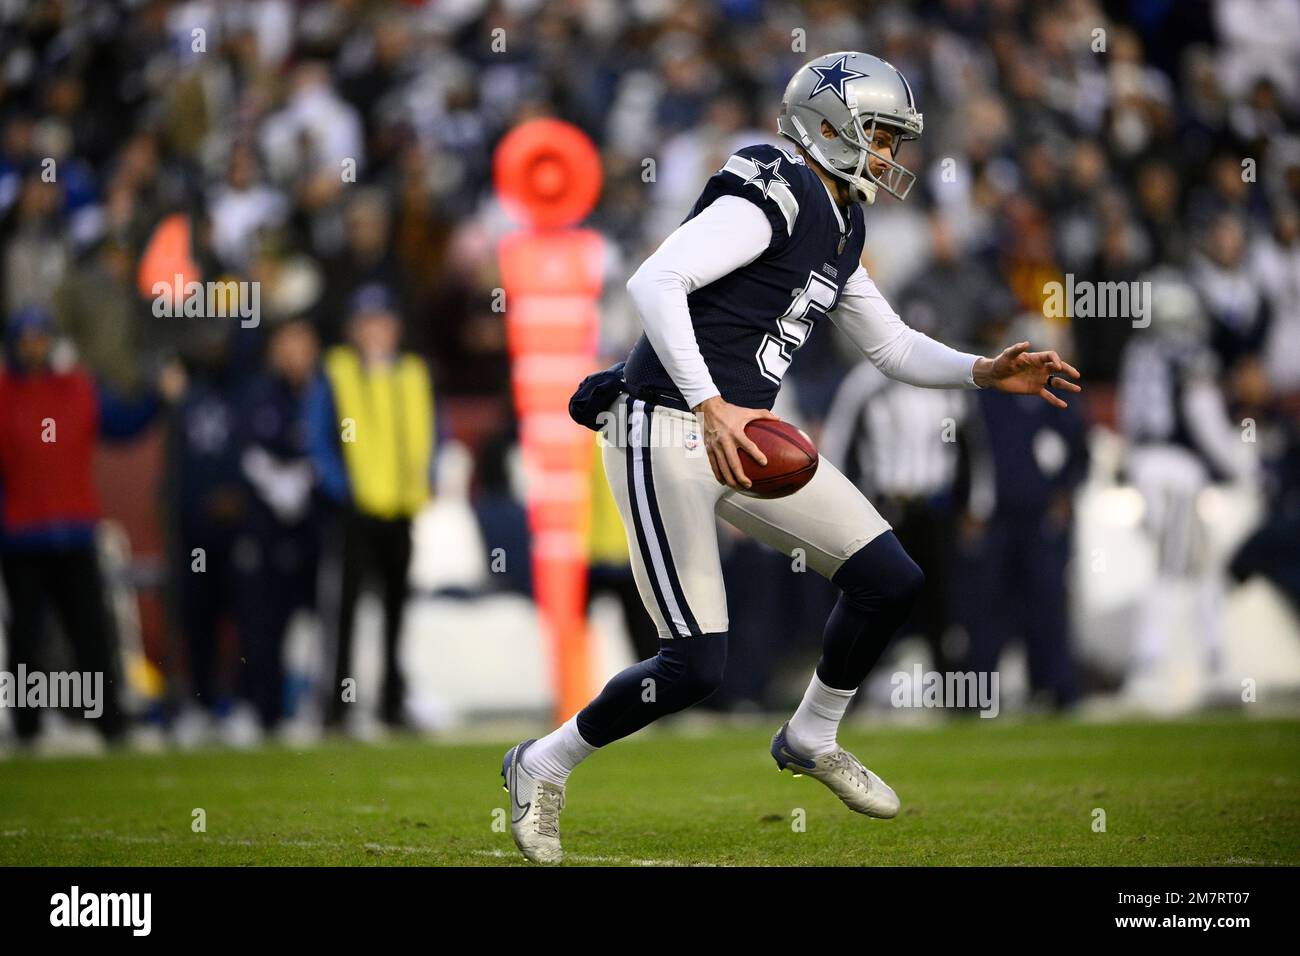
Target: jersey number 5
(776,352)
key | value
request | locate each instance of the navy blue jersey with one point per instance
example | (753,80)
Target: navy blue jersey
(749,323)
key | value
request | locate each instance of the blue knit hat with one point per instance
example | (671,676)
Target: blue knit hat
(373,297)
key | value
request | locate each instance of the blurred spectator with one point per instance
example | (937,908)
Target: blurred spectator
(50,417)
(205,508)
(502,517)
(954,296)
(371,434)
(366,257)
(97,308)
(1016,541)
(241,208)
(1239,311)
(1158,190)
(1181,439)
(316,132)
(1276,266)
(1120,256)
(1273,549)
(36,251)
(276,566)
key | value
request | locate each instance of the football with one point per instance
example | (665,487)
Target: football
(791,459)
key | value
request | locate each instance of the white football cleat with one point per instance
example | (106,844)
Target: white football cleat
(859,788)
(535,807)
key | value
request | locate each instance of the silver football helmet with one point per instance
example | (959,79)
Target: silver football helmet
(854,93)
(1175,311)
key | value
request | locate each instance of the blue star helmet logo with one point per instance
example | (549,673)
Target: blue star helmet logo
(834,77)
(766,175)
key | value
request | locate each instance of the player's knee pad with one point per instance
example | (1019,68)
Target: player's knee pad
(693,666)
(880,573)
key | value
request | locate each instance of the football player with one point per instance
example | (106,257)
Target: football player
(770,249)
(1180,439)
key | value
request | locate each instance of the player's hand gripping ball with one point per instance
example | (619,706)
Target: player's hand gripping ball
(791,459)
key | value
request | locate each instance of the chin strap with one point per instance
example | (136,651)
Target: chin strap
(863,190)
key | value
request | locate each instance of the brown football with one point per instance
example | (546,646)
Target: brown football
(791,459)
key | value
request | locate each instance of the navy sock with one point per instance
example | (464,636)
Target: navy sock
(880,584)
(684,672)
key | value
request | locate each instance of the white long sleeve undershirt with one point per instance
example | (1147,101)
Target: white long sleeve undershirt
(731,233)
(892,345)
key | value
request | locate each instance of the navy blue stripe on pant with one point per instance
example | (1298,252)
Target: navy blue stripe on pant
(652,539)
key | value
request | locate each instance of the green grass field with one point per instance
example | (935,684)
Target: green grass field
(1218,791)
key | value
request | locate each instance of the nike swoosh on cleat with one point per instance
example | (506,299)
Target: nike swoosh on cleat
(806,764)
(780,750)
(514,777)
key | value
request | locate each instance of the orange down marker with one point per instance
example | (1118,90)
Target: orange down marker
(548,177)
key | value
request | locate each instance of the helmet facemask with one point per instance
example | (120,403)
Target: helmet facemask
(896,179)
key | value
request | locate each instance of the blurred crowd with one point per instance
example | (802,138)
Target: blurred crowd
(338,155)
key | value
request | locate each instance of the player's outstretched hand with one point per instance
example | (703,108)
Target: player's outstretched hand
(1022,372)
(723,426)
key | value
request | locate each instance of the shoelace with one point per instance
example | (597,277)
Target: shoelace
(550,801)
(844,762)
